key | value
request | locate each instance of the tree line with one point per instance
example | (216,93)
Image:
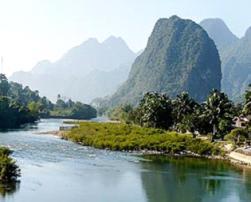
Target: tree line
(184,114)
(20,105)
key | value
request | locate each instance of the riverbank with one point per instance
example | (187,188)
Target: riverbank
(240,158)
(146,141)
(57,133)
(124,137)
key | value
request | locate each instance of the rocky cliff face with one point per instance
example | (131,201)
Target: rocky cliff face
(235,55)
(179,56)
(236,67)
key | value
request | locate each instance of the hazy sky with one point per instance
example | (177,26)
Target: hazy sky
(33,30)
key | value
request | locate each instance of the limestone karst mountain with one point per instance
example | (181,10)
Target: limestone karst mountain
(235,56)
(179,56)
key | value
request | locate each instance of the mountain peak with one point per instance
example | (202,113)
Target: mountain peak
(175,60)
(91,41)
(117,43)
(214,21)
(166,20)
(174,17)
(112,39)
(248,33)
(39,68)
(219,32)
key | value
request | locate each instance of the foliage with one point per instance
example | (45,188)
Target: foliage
(247,101)
(182,114)
(238,136)
(73,110)
(4,85)
(126,137)
(123,113)
(219,111)
(155,110)
(9,171)
(13,115)
(31,99)
(185,113)
(22,105)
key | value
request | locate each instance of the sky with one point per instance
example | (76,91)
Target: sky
(34,30)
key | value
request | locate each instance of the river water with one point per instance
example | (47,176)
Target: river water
(54,170)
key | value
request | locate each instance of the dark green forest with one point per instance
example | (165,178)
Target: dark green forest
(20,105)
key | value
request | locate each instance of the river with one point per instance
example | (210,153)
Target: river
(55,170)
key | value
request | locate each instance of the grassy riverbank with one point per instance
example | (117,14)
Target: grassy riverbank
(123,137)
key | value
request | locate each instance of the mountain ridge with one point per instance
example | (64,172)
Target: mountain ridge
(174,64)
(52,78)
(235,56)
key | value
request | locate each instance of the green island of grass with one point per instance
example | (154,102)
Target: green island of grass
(128,137)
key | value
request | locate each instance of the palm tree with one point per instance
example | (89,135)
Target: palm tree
(217,108)
(184,109)
(155,111)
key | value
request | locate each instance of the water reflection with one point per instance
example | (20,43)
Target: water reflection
(9,189)
(194,180)
(58,170)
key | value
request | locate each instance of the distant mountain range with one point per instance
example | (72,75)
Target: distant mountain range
(179,57)
(235,56)
(85,72)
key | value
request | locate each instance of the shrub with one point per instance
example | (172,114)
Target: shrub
(237,135)
(9,171)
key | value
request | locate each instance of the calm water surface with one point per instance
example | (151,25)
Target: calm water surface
(54,170)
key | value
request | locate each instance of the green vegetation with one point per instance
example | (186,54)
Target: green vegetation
(238,136)
(13,110)
(72,110)
(9,171)
(129,137)
(13,115)
(20,105)
(179,57)
(242,136)
(181,114)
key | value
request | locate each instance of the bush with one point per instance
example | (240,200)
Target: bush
(237,135)
(9,171)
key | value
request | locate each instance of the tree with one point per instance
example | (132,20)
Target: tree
(218,109)
(238,135)
(184,112)
(34,108)
(83,111)
(122,113)
(155,110)
(13,115)
(9,171)
(60,104)
(4,85)
(247,102)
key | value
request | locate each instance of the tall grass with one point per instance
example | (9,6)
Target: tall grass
(125,137)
